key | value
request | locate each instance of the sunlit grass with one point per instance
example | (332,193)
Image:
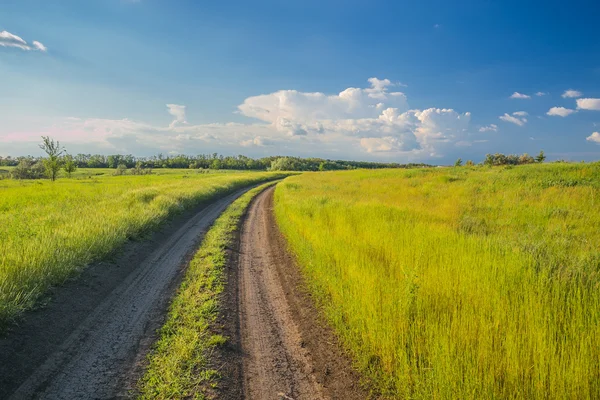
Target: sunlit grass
(457,283)
(49,231)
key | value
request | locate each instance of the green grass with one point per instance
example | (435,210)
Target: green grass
(50,231)
(179,364)
(457,283)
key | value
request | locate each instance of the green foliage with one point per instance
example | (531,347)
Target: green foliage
(53,162)
(27,169)
(49,232)
(511,159)
(458,162)
(540,157)
(179,363)
(69,165)
(479,285)
(120,170)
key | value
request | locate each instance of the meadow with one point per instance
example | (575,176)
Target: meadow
(456,283)
(49,231)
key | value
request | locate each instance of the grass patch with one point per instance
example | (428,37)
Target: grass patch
(179,366)
(49,231)
(482,287)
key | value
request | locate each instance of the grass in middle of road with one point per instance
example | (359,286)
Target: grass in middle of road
(179,365)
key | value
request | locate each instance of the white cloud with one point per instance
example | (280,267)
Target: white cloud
(39,46)
(517,118)
(178,111)
(560,112)
(352,123)
(370,113)
(594,137)
(517,95)
(539,94)
(8,39)
(588,104)
(571,94)
(489,128)
(257,141)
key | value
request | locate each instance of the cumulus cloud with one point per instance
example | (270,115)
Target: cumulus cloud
(517,118)
(178,111)
(8,39)
(588,104)
(560,112)
(539,94)
(594,137)
(571,94)
(517,95)
(378,117)
(355,122)
(489,128)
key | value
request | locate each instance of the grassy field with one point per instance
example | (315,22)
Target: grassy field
(179,364)
(49,231)
(457,283)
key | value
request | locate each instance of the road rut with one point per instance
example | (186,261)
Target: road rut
(287,351)
(94,359)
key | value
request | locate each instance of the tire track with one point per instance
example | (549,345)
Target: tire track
(286,350)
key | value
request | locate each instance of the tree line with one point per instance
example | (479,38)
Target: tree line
(58,159)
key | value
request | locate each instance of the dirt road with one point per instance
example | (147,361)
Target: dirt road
(87,342)
(285,349)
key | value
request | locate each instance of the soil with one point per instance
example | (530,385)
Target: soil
(280,346)
(91,338)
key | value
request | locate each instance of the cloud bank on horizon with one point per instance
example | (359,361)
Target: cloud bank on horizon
(374,120)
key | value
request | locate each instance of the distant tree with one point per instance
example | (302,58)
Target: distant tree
(53,163)
(28,169)
(69,165)
(458,162)
(470,163)
(540,157)
(121,169)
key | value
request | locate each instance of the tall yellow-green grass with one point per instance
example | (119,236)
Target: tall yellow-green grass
(457,283)
(50,230)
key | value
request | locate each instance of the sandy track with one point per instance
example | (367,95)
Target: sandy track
(286,351)
(94,358)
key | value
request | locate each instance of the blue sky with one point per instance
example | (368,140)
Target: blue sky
(389,81)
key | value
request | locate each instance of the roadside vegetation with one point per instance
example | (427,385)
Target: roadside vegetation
(50,230)
(179,365)
(472,282)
